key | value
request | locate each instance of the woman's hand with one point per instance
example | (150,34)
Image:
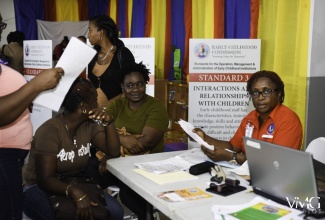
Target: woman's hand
(218,154)
(102,165)
(82,202)
(48,79)
(100,116)
(199,132)
(131,143)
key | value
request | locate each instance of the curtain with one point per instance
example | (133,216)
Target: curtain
(26,15)
(67,10)
(285,47)
(173,22)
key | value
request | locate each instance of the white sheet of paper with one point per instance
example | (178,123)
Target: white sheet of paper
(223,212)
(242,170)
(188,127)
(163,166)
(74,59)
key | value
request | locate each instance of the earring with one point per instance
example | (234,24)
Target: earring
(101,38)
(84,111)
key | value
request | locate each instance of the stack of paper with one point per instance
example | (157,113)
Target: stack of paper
(165,171)
(163,166)
(166,177)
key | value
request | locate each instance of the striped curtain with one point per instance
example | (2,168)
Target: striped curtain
(282,25)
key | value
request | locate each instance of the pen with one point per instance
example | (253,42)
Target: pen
(229,150)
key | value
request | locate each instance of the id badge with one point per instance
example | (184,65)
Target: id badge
(249,130)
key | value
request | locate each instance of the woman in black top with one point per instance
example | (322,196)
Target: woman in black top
(112,55)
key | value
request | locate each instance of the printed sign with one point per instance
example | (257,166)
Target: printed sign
(219,70)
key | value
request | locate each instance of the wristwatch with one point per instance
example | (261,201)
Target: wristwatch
(233,161)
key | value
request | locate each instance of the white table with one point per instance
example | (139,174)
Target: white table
(123,167)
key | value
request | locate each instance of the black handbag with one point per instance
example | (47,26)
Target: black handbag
(3,58)
(65,209)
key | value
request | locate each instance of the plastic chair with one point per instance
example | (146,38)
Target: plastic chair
(317,149)
(114,190)
(25,217)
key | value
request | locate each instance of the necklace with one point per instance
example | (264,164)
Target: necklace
(101,59)
(73,137)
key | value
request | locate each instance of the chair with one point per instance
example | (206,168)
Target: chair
(25,217)
(317,149)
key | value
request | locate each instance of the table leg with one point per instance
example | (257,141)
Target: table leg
(149,210)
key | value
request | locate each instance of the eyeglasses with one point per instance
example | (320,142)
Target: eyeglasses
(265,93)
(3,25)
(131,86)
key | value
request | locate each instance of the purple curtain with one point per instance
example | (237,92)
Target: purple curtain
(122,18)
(178,27)
(138,18)
(237,19)
(96,7)
(26,13)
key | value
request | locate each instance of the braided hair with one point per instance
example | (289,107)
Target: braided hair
(82,90)
(107,24)
(270,75)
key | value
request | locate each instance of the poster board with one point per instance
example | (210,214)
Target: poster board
(37,57)
(218,72)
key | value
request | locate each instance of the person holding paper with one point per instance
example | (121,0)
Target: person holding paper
(60,151)
(16,131)
(271,121)
(112,55)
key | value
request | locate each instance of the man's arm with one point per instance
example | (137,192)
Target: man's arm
(14,104)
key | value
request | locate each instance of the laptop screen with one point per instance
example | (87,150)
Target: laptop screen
(282,174)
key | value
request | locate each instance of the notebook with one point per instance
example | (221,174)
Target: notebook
(283,175)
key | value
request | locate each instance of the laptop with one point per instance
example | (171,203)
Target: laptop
(283,175)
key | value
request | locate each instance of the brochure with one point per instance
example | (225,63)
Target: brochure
(258,208)
(184,195)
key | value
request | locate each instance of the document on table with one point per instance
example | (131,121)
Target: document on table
(180,195)
(163,166)
(188,127)
(73,61)
(258,208)
(196,155)
(169,177)
(243,170)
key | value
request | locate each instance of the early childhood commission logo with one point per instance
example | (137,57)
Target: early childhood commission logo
(201,50)
(26,50)
(309,205)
